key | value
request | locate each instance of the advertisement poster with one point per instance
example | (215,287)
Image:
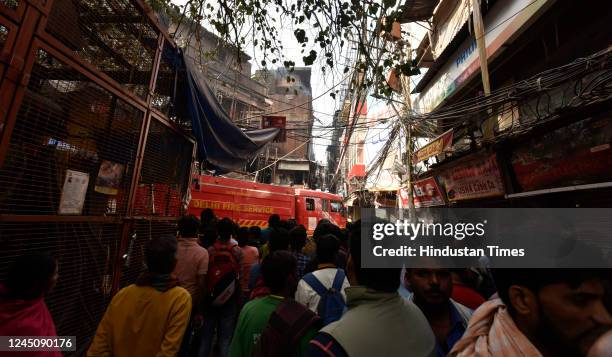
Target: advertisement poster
(109,178)
(73,193)
(477,177)
(427,193)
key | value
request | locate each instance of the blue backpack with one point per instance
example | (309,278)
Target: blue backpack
(332,304)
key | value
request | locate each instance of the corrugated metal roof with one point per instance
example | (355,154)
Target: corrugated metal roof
(418,10)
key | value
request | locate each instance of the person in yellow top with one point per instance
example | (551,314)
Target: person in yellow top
(148,318)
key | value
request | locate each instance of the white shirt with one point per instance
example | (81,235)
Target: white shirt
(307,296)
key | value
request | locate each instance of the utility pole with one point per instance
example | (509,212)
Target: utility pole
(484,68)
(405,81)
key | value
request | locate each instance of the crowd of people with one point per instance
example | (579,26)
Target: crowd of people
(217,289)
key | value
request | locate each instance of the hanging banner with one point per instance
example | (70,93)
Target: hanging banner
(476,177)
(435,147)
(73,193)
(427,193)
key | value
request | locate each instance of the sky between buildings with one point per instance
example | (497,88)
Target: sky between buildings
(324,105)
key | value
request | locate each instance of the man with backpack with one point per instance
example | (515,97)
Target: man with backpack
(275,325)
(223,287)
(378,322)
(322,291)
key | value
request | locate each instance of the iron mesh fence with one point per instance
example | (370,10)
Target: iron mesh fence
(69,121)
(169,96)
(134,258)
(86,258)
(66,122)
(12,4)
(113,35)
(4,33)
(161,185)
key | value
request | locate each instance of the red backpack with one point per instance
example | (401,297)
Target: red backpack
(223,273)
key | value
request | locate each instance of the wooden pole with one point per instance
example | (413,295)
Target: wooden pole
(405,81)
(487,127)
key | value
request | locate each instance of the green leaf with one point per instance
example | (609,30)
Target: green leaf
(300,35)
(309,60)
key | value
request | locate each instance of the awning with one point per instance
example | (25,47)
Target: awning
(220,142)
(591,186)
(418,10)
(358,170)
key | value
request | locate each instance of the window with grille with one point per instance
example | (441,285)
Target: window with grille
(325,205)
(336,206)
(113,35)
(310,204)
(67,122)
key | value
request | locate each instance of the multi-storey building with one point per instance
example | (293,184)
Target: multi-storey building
(543,136)
(292,154)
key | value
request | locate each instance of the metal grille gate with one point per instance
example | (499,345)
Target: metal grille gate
(83,83)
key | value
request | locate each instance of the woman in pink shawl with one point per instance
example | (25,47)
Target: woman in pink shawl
(23,311)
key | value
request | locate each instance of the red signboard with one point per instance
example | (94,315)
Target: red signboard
(578,154)
(271,121)
(476,177)
(427,193)
(358,170)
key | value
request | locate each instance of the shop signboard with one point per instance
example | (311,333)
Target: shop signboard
(580,153)
(435,147)
(426,193)
(506,20)
(475,177)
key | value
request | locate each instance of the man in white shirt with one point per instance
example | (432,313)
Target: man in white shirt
(326,273)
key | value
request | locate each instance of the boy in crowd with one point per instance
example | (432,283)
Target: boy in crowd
(250,257)
(190,270)
(279,240)
(255,236)
(314,285)
(297,239)
(278,271)
(224,292)
(148,318)
(23,311)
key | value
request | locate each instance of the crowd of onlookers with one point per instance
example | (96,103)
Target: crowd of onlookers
(217,289)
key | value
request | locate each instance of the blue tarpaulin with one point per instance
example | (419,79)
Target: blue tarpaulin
(220,142)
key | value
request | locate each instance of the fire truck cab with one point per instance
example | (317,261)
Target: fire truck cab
(251,203)
(312,206)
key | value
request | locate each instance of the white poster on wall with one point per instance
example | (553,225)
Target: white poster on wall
(73,193)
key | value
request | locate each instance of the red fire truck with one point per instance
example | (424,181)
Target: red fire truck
(250,203)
